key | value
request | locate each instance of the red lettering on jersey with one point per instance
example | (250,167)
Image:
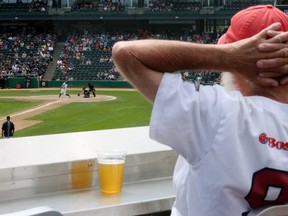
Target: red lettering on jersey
(272,142)
(263,138)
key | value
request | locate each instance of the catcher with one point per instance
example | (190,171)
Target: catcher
(85,92)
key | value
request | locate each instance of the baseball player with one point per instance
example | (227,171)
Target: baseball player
(232,142)
(92,89)
(63,90)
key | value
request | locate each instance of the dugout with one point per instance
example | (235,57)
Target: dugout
(20,82)
(2,83)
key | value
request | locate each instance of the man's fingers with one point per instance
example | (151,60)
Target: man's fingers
(277,73)
(278,40)
(276,63)
(284,80)
(272,33)
(277,43)
(268,82)
(272,27)
(270,47)
(270,74)
(277,37)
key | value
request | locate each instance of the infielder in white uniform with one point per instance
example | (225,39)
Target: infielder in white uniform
(233,142)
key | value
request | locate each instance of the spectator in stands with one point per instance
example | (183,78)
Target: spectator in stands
(37,5)
(22,46)
(88,62)
(59,62)
(101,6)
(214,129)
(24,55)
(100,45)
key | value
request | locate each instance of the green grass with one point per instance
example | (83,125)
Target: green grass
(32,92)
(9,106)
(130,109)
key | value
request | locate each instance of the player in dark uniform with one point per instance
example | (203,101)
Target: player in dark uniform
(8,128)
(92,89)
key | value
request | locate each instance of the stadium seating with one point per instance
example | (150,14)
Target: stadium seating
(239,5)
(25,55)
(101,6)
(13,7)
(33,6)
(98,51)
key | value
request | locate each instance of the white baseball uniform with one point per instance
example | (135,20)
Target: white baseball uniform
(233,149)
(64,88)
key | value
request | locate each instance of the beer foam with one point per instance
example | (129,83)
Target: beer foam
(111,161)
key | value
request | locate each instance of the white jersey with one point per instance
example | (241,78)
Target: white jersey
(64,88)
(233,149)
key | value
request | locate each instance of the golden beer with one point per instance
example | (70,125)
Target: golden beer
(82,174)
(111,175)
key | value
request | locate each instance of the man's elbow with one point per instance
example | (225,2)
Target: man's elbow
(120,51)
(116,49)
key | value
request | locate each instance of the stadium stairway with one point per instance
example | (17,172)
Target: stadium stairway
(52,67)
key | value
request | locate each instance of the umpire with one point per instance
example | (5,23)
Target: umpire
(8,128)
(92,89)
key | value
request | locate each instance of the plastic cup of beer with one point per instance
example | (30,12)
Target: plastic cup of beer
(82,174)
(111,170)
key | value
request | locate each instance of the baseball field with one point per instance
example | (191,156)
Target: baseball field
(41,112)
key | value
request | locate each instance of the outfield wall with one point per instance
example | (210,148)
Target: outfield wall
(34,83)
(38,171)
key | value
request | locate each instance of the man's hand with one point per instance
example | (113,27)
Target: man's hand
(270,55)
(278,48)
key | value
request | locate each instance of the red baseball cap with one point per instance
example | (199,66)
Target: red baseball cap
(252,20)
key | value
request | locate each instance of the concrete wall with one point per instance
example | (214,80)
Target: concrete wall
(34,83)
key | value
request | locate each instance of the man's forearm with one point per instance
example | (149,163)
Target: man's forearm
(136,58)
(143,62)
(168,56)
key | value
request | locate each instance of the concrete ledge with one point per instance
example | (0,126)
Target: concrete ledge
(135,199)
(59,148)
(37,171)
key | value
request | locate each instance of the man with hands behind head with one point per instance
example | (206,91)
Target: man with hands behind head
(231,138)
